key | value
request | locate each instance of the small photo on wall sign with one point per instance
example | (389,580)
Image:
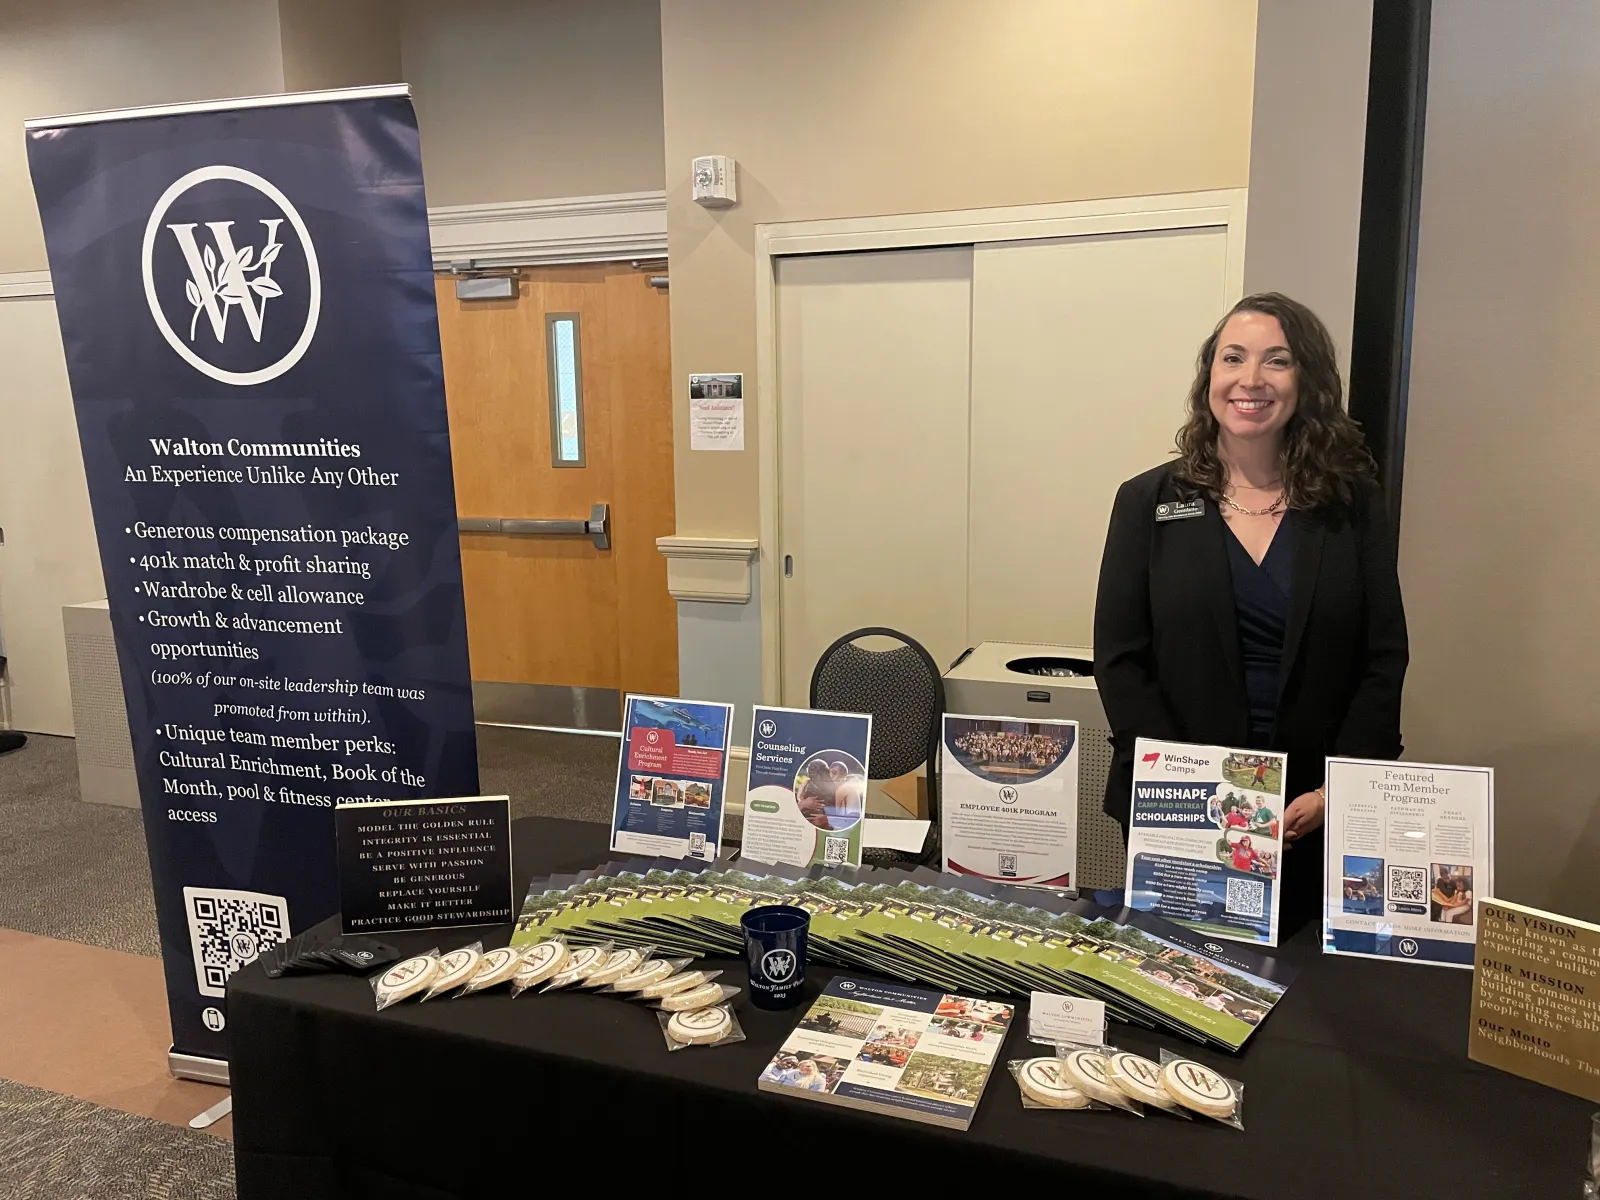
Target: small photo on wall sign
(716,411)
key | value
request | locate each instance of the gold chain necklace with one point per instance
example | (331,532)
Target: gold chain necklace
(1255,512)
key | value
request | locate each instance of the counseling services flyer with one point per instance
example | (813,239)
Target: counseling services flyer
(807,789)
(1410,848)
(1204,842)
(1009,792)
(672,776)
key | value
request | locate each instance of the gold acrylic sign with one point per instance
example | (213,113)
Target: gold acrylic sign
(1536,997)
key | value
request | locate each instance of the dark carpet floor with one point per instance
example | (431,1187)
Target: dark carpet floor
(53,1147)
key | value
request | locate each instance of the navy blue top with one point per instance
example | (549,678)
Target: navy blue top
(1261,598)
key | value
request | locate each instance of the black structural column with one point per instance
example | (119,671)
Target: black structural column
(1386,262)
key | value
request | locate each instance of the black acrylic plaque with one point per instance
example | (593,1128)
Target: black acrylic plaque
(424,864)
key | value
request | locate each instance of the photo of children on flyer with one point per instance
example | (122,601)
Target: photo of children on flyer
(1258,772)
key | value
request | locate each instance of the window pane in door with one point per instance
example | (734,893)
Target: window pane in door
(566,389)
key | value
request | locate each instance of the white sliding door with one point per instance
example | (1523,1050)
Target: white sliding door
(872,357)
(1083,349)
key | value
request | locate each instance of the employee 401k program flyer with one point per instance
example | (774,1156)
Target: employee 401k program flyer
(1204,838)
(1410,848)
(1010,799)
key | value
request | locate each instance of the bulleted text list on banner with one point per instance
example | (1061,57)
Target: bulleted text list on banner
(245,292)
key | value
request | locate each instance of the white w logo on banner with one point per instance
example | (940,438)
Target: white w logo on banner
(219,275)
(220,278)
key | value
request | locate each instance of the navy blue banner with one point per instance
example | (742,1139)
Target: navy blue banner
(246,299)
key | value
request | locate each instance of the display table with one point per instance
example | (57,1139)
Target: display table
(1357,1086)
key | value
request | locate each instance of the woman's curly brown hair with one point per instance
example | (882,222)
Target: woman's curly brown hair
(1324,453)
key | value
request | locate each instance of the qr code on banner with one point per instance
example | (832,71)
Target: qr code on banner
(228,930)
(835,851)
(1008,864)
(697,845)
(1246,897)
(1408,884)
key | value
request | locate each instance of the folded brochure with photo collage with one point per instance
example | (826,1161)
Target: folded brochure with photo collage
(956,932)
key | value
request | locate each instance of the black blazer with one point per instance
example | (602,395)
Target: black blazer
(1166,635)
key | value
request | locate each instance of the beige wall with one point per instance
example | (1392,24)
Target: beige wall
(1307,142)
(837,107)
(344,44)
(1499,537)
(60,56)
(529,99)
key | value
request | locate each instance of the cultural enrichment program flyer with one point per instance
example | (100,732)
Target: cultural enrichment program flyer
(1204,838)
(671,778)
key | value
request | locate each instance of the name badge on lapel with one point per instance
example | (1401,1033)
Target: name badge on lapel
(1174,511)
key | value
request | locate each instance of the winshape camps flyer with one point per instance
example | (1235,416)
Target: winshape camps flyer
(1204,834)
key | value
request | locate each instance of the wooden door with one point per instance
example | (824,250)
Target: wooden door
(558,629)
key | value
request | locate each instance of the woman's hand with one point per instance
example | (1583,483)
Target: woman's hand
(1304,815)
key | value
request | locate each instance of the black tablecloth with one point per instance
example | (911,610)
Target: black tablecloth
(1357,1086)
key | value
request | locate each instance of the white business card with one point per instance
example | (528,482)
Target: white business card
(1055,1019)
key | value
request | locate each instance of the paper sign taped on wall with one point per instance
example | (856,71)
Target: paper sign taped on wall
(716,412)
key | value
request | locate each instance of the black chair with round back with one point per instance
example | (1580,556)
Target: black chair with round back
(903,691)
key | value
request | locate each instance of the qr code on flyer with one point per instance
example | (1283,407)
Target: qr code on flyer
(228,930)
(1246,897)
(1008,864)
(1408,884)
(835,851)
(697,845)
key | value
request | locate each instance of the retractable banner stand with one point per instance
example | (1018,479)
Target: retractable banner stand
(245,292)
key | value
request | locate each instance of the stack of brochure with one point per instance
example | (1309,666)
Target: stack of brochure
(956,932)
(894,1050)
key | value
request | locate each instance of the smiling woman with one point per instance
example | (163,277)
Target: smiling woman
(1248,593)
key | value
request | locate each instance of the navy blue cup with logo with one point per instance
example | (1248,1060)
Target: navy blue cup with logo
(775,946)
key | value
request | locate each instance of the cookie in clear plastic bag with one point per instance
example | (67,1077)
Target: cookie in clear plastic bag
(540,961)
(1088,1068)
(673,984)
(698,997)
(455,969)
(1042,1084)
(1141,1079)
(714,1025)
(617,964)
(581,963)
(494,968)
(1202,1090)
(405,979)
(650,971)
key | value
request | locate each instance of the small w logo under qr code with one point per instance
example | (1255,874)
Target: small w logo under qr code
(1008,864)
(230,929)
(1408,884)
(835,851)
(697,845)
(1246,897)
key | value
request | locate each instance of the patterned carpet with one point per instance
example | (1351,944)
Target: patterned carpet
(70,870)
(55,1148)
